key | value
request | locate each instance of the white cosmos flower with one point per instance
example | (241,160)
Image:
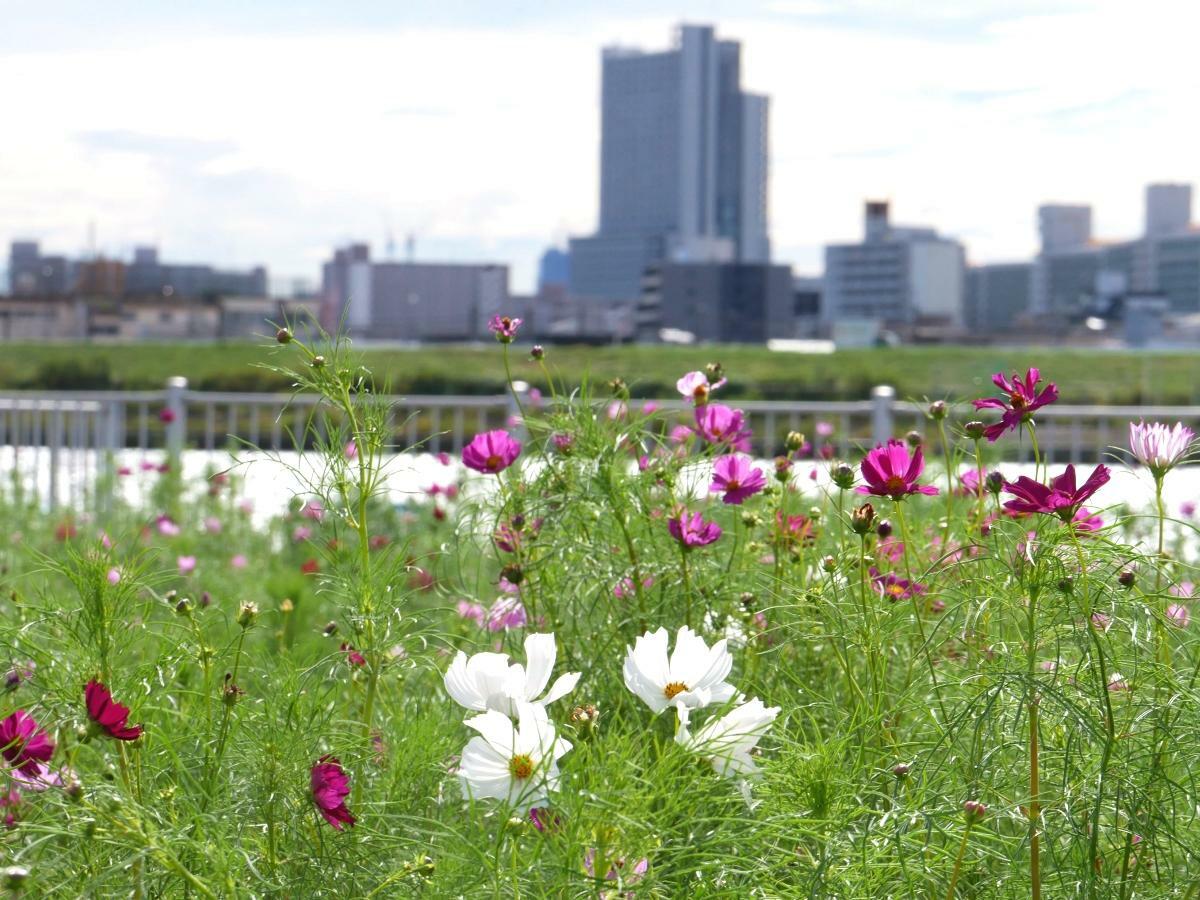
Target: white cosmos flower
(726,742)
(1160,447)
(693,676)
(487,681)
(515,764)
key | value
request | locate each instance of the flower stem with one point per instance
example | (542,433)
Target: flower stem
(937,691)
(962,851)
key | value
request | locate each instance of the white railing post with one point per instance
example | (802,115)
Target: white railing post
(177,420)
(882,425)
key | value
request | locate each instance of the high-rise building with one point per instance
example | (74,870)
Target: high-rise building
(896,275)
(1064,226)
(1168,209)
(554,268)
(148,276)
(997,296)
(747,303)
(683,165)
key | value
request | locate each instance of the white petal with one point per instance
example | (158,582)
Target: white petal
(461,687)
(497,730)
(539,663)
(562,686)
(689,659)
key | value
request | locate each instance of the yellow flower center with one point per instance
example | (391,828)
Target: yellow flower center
(521,766)
(492,462)
(675,687)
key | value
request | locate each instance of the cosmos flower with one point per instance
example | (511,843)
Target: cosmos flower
(890,472)
(1160,447)
(107,714)
(518,765)
(1178,615)
(736,479)
(330,788)
(187,564)
(692,676)
(727,742)
(691,530)
(491,452)
(617,871)
(487,681)
(723,426)
(25,746)
(893,588)
(1060,498)
(505,614)
(504,328)
(696,387)
(473,611)
(353,657)
(1023,400)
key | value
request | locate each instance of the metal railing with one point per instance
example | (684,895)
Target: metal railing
(70,439)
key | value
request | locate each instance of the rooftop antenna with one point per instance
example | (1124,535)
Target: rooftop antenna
(410,246)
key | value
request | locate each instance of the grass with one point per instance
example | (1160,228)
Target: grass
(329,631)
(1109,377)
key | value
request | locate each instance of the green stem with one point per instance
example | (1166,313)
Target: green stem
(937,691)
(962,851)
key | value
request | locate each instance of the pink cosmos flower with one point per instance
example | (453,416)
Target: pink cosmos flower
(330,788)
(1183,589)
(24,745)
(799,531)
(187,564)
(1061,498)
(894,588)
(650,407)
(504,328)
(114,576)
(313,509)
(1023,400)
(1087,521)
(9,802)
(890,472)
(696,387)
(734,477)
(1178,615)
(1160,447)
(166,526)
(301,533)
(166,415)
(353,657)
(212,525)
(691,530)
(617,870)
(246,506)
(124,471)
(680,434)
(238,561)
(472,611)
(1187,508)
(443,457)
(491,452)
(824,429)
(563,443)
(626,587)
(506,613)
(351,450)
(108,715)
(971,483)
(719,424)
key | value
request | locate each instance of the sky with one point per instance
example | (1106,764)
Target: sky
(269,132)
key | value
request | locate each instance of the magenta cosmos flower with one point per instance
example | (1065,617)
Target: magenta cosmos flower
(491,452)
(734,477)
(691,530)
(110,716)
(718,424)
(330,788)
(25,746)
(1160,447)
(1023,400)
(1060,498)
(504,328)
(890,472)
(696,387)
(893,588)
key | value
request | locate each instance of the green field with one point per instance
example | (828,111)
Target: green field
(755,373)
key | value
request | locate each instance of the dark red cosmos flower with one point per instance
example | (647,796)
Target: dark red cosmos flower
(24,745)
(1060,498)
(1023,400)
(353,657)
(798,530)
(330,788)
(310,567)
(111,716)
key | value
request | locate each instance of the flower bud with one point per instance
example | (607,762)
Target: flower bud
(884,528)
(714,372)
(1065,584)
(828,563)
(975,430)
(318,362)
(937,410)
(747,600)
(783,469)
(329,629)
(995,482)
(619,388)
(73,789)
(751,519)
(184,606)
(14,877)
(247,613)
(283,336)
(914,439)
(205,599)
(1127,578)
(512,573)
(538,352)
(974,810)
(286,605)
(901,770)
(794,441)
(862,519)
(843,476)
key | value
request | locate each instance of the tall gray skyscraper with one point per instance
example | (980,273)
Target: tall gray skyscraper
(683,165)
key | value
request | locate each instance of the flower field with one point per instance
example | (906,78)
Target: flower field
(610,654)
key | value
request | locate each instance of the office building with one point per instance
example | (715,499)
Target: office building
(683,165)
(744,303)
(148,276)
(1168,209)
(33,275)
(411,301)
(896,275)
(998,296)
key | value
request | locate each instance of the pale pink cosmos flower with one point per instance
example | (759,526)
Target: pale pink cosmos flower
(187,564)
(238,561)
(301,533)
(314,510)
(1160,447)
(473,611)
(351,450)
(696,387)
(114,576)
(506,613)
(1178,615)
(212,525)
(167,526)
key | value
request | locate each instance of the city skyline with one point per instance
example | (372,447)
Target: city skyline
(269,137)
